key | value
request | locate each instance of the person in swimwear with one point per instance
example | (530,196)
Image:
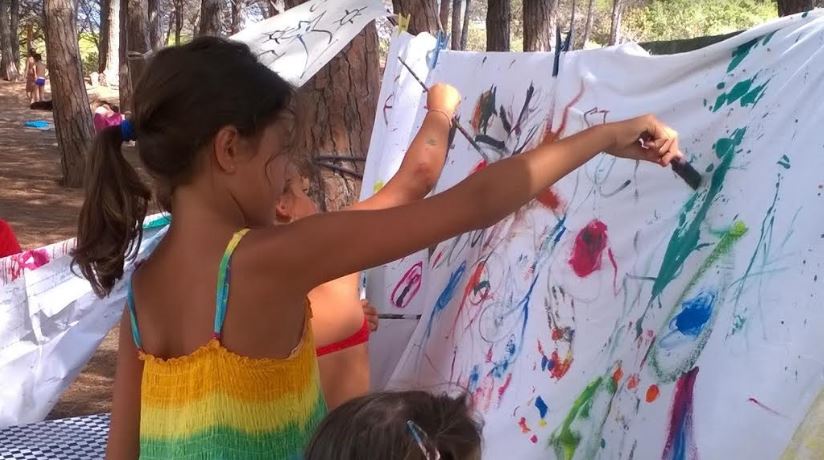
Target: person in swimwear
(31,76)
(340,320)
(39,77)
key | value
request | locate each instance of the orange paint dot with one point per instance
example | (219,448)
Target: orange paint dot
(617,376)
(652,393)
(632,382)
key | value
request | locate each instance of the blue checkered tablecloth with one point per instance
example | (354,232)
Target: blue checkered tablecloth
(66,439)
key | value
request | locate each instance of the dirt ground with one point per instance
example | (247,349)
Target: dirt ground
(41,212)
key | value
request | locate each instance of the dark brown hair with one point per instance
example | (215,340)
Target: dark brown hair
(184,97)
(377,426)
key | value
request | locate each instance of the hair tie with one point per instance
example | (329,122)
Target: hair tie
(127,131)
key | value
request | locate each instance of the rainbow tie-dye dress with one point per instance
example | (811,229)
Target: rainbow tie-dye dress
(215,404)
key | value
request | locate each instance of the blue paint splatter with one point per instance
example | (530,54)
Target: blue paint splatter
(474,379)
(694,315)
(546,363)
(446,295)
(541,406)
(501,366)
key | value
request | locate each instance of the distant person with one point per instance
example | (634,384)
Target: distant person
(31,76)
(8,242)
(39,76)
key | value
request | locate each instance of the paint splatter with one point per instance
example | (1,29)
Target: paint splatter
(534,439)
(446,296)
(588,249)
(741,52)
(484,110)
(565,440)
(652,393)
(633,381)
(765,407)
(523,426)
(680,443)
(542,409)
(378,186)
(685,238)
(784,162)
(617,376)
(550,199)
(481,165)
(743,92)
(695,313)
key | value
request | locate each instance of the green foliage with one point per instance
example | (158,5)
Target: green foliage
(678,19)
(88,53)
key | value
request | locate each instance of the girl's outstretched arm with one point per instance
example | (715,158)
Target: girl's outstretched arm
(375,237)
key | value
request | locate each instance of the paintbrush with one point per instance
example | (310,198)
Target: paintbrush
(687,172)
(681,167)
(455,121)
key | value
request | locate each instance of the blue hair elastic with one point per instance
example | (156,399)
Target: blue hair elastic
(127,131)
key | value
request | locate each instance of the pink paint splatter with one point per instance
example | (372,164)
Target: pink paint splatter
(28,260)
(502,389)
(523,426)
(588,249)
(765,407)
(534,439)
(680,443)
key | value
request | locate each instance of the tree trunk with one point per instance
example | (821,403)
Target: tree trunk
(572,20)
(155,24)
(615,28)
(238,15)
(456,24)
(465,25)
(788,7)
(136,34)
(337,113)
(14,26)
(443,15)
(178,21)
(424,15)
(8,67)
(587,26)
(72,115)
(210,17)
(538,24)
(109,41)
(498,17)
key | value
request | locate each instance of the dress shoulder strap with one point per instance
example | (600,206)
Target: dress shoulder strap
(223,276)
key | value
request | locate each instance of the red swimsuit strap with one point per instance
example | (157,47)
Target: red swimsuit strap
(359,337)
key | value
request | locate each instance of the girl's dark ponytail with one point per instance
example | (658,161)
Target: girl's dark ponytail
(110,225)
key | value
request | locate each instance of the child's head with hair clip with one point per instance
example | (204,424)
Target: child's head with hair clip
(408,425)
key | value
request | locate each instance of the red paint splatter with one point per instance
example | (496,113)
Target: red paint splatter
(652,393)
(502,389)
(478,167)
(437,258)
(522,425)
(615,270)
(489,355)
(534,439)
(765,407)
(557,334)
(680,439)
(633,381)
(551,136)
(588,249)
(28,260)
(617,376)
(550,199)
(558,367)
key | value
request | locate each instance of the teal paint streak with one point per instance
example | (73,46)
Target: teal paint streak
(740,53)
(784,162)
(686,235)
(768,37)
(742,92)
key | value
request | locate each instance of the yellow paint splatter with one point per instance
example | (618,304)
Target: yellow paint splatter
(378,186)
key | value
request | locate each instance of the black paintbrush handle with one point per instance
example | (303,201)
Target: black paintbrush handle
(688,173)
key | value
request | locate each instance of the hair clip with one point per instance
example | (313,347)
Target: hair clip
(127,131)
(421,439)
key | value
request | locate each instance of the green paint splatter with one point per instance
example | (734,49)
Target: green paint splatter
(784,161)
(768,37)
(564,440)
(738,323)
(740,53)
(744,92)
(710,167)
(804,15)
(685,238)
(725,244)
(705,102)
(720,85)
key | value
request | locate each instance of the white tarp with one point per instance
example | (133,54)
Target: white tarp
(624,315)
(301,40)
(50,324)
